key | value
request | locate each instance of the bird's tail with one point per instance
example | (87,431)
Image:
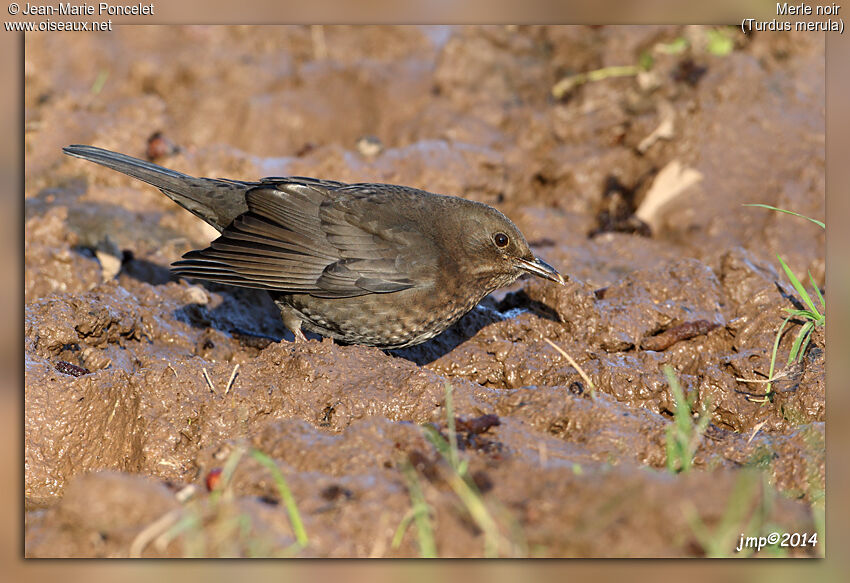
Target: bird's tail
(203,197)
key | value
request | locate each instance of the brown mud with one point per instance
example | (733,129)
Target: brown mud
(139,388)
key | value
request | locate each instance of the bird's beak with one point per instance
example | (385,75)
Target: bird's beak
(540,268)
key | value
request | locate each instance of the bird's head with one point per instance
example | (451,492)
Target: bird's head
(500,250)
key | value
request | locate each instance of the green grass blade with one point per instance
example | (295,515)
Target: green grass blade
(285,495)
(191,522)
(450,423)
(437,440)
(227,471)
(468,495)
(681,435)
(466,492)
(674,47)
(773,208)
(568,84)
(474,503)
(805,344)
(420,514)
(720,42)
(613,71)
(799,287)
(99,81)
(802,314)
(804,333)
(817,290)
(402,528)
(773,354)
(672,453)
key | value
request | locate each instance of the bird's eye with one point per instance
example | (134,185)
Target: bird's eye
(500,239)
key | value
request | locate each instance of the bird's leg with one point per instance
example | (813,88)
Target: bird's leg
(292,321)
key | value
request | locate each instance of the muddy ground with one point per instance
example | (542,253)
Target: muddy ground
(141,441)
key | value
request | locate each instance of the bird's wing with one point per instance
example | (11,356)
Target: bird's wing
(299,237)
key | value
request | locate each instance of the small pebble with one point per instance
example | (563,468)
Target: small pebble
(370,146)
(71,369)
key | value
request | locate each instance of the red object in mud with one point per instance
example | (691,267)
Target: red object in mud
(213,478)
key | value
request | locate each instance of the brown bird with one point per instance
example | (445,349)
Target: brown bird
(374,264)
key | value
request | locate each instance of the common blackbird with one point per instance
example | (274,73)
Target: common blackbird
(374,264)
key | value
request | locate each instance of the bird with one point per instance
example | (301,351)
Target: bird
(372,264)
